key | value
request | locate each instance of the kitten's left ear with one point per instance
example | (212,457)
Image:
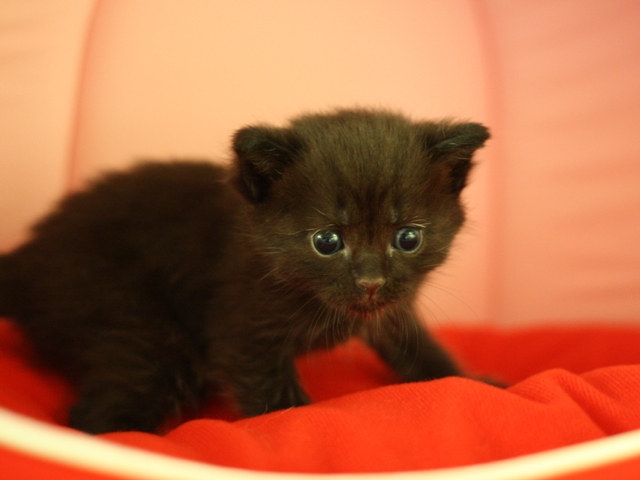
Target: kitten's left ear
(262,153)
(454,144)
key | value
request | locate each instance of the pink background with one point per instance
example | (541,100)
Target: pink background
(554,207)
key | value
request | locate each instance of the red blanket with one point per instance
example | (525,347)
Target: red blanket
(569,385)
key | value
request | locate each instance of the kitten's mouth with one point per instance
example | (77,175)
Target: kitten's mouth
(367,309)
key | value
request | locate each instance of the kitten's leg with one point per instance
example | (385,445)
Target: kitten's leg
(404,344)
(132,383)
(266,383)
(107,406)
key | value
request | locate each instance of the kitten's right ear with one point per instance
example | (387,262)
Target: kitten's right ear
(262,154)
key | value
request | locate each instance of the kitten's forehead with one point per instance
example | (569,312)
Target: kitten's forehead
(359,168)
(347,198)
(365,182)
(357,214)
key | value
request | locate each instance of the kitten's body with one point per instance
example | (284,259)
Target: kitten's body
(161,285)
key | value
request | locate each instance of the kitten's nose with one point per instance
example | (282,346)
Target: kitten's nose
(370,285)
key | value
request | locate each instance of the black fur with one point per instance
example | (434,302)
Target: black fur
(173,281)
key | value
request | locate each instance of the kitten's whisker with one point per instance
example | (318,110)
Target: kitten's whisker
(315,320)
(410,327)
(417,333)
(331,334)
(342,322)
(418,222)
(329,330)
(322,213)
(441,288)
(424,298)
(267,275)
(293,234)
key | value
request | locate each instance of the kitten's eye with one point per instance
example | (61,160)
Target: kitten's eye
(407,239)
(327,243)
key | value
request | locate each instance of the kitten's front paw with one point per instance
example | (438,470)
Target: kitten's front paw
(286,396)
(95,418)
(292,396)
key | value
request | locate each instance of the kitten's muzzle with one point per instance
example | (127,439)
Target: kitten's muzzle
(370,300)
(370,285)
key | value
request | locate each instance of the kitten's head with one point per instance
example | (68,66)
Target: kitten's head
(357,206)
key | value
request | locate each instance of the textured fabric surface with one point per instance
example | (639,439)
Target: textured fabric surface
(567,386)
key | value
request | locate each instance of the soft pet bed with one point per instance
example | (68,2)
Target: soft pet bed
(89,85)
(568,386)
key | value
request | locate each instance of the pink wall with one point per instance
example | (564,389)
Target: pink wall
(554,204)
(41,49)
(567,212)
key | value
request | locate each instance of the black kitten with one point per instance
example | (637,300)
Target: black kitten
(158,286)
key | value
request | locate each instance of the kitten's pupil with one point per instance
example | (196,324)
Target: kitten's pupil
(327,242)
(407,239)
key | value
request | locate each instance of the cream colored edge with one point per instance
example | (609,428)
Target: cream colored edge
(28,436)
